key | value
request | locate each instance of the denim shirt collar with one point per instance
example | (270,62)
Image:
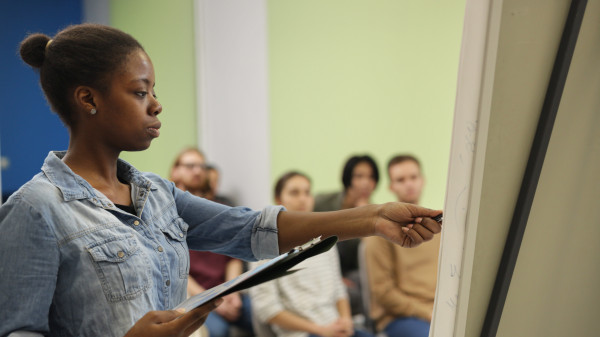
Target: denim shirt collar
(74,187)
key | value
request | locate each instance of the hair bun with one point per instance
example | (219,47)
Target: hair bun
(33,49)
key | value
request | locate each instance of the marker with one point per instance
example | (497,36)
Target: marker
(439,218)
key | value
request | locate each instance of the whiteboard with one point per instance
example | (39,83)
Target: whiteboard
(471,118)
(507,55)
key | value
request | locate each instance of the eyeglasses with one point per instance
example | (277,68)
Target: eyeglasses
(191,166)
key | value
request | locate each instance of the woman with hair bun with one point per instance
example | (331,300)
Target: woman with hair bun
(91,246)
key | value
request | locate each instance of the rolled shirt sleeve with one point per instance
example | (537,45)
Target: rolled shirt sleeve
(265,238)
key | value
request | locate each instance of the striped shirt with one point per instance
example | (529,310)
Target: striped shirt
(312,293)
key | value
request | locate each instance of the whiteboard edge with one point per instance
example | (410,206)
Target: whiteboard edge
(492,11)
(465,70)
(493,34)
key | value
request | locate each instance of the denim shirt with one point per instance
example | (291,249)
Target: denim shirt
(73,264)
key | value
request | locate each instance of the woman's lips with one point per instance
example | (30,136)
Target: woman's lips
(154,132)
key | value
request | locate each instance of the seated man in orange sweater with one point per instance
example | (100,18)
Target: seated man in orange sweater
(402,281)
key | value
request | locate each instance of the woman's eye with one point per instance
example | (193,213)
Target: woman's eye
(141,93)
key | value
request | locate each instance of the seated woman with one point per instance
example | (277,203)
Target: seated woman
(312,301)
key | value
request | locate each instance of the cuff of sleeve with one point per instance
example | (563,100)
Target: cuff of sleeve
(269,314)
(343,295)
(265,238)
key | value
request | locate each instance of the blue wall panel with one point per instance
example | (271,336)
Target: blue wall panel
(28,128)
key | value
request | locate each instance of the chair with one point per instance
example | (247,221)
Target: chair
(366,289)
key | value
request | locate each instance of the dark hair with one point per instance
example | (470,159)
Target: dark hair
(351,164)
(284,179)
(86,54)
(402,158)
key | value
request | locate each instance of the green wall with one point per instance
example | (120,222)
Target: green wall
(346,76)
(166,30)
(350,76)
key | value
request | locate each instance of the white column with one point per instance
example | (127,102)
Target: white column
(233,117)
(96,11)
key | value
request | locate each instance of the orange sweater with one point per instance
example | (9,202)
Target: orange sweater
(401,280)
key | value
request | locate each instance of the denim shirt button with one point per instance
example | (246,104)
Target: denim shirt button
(180,235)
(136,223)
(120,254)
(160,249)
(168,283)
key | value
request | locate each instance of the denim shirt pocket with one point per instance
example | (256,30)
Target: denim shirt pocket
(122,267)
(176,233)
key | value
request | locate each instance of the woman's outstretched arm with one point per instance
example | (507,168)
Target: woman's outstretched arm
(405,224)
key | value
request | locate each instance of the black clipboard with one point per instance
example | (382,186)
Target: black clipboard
(275,268)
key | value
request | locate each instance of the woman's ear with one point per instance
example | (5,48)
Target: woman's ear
(84,98)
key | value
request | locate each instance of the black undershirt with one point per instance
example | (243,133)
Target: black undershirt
(128,209)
